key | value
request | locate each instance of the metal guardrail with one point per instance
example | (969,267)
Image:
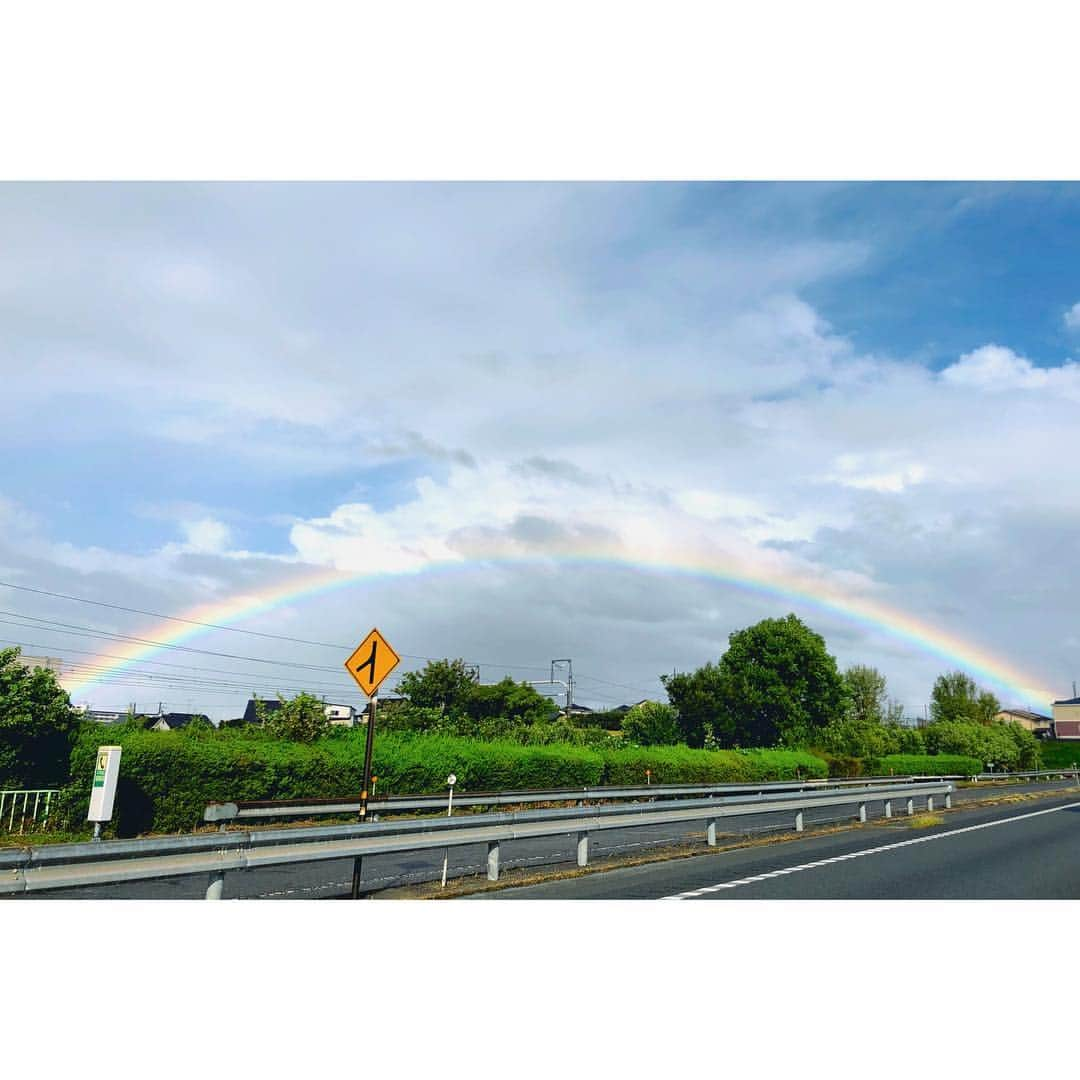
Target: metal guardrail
(96,863)
(28,812)
(1038,774)
(279,808)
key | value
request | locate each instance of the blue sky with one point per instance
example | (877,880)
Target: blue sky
(213,385)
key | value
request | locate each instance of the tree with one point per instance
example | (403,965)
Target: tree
(697,699)
(302,719)
(37,724)
(866,693)
(507,700)
(956,697)
(778,684)
(442,684)
(652,723)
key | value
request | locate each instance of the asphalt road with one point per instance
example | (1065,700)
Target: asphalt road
(1019,851)
(334,878)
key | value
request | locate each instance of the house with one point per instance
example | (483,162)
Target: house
(338,715)
(173,721)
(269,705)
(627,708)
(105,716)
(1067,718)
(1034,722)
(578,710)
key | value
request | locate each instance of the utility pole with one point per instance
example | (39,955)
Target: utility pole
(569,681)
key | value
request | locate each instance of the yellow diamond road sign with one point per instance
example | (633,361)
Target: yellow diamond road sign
(372,661)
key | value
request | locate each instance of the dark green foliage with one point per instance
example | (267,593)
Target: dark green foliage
(697,697)
(778,684)
(842,765)
(300,719)
(1059,753)
(926,765)
(508,700)
(442,685)
(610,720)
(446,688)
(651,723)
(167,778)
(37,725)
(867,739)
(955,697)
(866,694)
(1009,746)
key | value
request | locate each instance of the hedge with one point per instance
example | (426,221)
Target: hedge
(926,764)
(168,777)
(1059,753)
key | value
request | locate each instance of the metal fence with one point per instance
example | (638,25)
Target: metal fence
(72,865)
(29,807)
(401,804)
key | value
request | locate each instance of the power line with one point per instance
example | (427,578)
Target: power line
(233,629)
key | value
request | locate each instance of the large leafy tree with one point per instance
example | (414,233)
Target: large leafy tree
(451,688)
(697,697)
(956,697)
(865,686)
(778,684)
(440,684)
(37,724)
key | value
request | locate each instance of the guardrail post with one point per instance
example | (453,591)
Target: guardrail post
(798,822)
(862,811)
(710,833)
(216,887)
(929,804)
(948,801)
(583,849)
(888,807)
(911,807)
(493,860)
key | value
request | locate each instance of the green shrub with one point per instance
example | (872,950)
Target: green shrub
(926,764)
(1009,746)
(167,778)
(1059,753)
(682,765)
(842,765)
(651,724)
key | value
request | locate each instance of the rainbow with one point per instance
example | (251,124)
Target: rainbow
(773,584)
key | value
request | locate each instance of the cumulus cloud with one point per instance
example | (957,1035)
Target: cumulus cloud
(552,372)
(1072,317)
(997,369)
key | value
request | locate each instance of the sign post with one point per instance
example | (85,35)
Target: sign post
(103,793)
(372,660)
(451,780)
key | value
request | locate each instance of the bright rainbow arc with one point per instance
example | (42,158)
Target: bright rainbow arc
(976,661)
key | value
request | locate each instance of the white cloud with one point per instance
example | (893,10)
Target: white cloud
(996,369)
(1072,317)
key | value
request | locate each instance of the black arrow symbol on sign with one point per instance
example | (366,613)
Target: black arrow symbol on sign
(369,662)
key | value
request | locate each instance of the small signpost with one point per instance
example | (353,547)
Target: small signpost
(371,661)
(103,793)
(451,780)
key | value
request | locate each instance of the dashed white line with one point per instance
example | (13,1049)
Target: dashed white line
(692,893)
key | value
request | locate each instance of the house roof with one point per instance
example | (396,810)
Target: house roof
(269,704)
(1069,701)
(1027,714)
(180,719)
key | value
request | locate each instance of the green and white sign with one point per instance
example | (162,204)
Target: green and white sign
(103,793)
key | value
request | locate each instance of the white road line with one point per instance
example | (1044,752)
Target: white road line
(691,893)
